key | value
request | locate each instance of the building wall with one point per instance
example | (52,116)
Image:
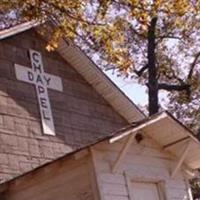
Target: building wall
(69,178)
(145,162)
(80,114)
(85,176)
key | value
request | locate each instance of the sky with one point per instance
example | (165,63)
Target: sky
(136,92)
(133,90)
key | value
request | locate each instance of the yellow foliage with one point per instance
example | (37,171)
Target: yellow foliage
(110,31)
(121,32)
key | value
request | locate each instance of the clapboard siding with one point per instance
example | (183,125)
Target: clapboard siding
(113,197)
(143,162)
(81,115)
(70,179)
(87,175)
(99,81)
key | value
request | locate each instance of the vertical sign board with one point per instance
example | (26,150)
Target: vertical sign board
(42,81)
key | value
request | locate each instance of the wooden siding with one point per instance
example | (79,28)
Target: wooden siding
(90,72)
(89,176)
(102,84)
(145,162)
(81,116)
(70,179)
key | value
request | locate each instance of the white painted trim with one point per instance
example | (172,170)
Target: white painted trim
(188,133)
(123,152)
(18,29)
(126,133)
(100,82)
(161,190)
(98,187)
(181,159)
(128,185)
(118,100)
(159,183)
(189,191)
(189,172)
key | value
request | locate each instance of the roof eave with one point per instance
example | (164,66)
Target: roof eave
(18,29)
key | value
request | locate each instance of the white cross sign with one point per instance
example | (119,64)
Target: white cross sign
(42,82)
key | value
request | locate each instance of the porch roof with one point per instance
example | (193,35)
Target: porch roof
(170,134)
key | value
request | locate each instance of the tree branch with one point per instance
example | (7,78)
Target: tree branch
(173,76)
(140,72)
(136,32)
(193,65)
(169,37)
(126,5)
(173,87)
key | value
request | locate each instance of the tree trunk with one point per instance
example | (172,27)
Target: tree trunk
(152,70)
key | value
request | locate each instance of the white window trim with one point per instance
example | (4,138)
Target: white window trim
(160,186)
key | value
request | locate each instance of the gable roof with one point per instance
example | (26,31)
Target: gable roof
(173,138)
(170,134)
(147,126)
(91,72)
